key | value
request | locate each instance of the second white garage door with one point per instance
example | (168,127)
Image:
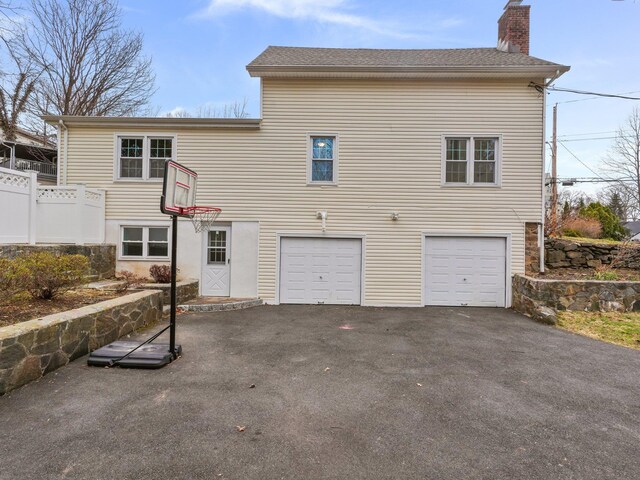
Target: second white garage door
(466,271)
(320,270)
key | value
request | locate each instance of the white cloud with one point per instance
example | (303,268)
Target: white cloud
(176,112)
(335,12)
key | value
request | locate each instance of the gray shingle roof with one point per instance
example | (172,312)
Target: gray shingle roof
(633,227)
(377,58)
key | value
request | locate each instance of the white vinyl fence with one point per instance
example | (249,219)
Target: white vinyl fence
(33,214)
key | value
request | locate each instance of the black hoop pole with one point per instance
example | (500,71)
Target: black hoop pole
(174,263)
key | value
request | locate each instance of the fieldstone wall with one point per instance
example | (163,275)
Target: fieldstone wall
(186,290)
(540,298)
(560,253)
(102,258)
(29,350)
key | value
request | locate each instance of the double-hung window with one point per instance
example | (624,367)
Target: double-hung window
(322,161)
(471,161)
(144,242)
(142,157)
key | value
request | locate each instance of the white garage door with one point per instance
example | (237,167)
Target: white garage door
(320,270)
(465,271)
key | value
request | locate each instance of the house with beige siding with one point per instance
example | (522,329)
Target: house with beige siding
(372,177)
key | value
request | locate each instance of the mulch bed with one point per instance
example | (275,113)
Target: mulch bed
(624,274)
(23,307)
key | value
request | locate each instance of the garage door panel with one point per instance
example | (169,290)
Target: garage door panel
(465,271)
(320,270)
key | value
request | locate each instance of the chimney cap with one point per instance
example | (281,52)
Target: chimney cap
(513,3)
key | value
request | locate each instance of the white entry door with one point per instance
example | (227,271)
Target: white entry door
(320,270)
(215,270)
(465,271)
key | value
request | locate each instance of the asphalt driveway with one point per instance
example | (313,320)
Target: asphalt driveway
(436,393)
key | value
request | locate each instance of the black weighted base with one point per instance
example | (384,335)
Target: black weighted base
(151,355)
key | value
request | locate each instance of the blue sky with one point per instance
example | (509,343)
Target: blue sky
(200,48)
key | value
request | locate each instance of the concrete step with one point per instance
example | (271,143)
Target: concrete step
(213,304)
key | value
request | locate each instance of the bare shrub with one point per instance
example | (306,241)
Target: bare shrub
(160,273)
(128,280)
(577,226)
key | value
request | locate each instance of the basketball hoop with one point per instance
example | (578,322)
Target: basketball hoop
(201,217)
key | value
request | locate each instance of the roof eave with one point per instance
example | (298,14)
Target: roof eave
(293,71)
(74,120)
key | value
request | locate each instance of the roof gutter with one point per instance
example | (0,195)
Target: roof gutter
(77,120)
(403,71)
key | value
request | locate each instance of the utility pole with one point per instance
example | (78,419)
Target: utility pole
(554,171)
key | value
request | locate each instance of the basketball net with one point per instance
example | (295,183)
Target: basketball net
(202,218)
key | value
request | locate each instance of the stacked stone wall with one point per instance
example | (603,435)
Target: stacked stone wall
(29,350)
(561,253)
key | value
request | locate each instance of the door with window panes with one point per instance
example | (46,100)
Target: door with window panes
(216,265)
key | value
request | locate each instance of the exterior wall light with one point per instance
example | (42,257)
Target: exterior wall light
(322,215)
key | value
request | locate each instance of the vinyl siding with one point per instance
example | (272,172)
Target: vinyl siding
(390,159)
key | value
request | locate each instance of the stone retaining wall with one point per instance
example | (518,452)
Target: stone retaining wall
(102,258)
(186,290)
(540,298)
(29,350)
(560,253)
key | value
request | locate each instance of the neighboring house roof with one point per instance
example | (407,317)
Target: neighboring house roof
(443,61)
(633,227)
(24,137)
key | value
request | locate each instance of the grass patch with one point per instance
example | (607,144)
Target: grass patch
(613,327)
(606,241)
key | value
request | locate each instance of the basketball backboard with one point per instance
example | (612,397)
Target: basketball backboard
(178,189)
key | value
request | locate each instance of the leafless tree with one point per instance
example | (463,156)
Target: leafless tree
(620,201)
(90,65)
(237,109)
(17,77)
(623,161)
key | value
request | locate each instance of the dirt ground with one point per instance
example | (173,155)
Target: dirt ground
(624,274)
(23,307)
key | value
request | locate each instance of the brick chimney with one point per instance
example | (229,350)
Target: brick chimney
(513,28)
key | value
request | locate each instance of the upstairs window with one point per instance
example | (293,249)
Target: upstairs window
(471,161)
(323,159)
(143,157)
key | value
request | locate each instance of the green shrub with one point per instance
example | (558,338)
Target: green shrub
(611,227)
(45,275)
(10,283)
(570,232)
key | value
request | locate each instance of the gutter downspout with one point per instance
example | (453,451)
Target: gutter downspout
(62,126)
(544,166)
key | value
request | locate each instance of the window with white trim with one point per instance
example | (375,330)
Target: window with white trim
(143,157)
(144,242)
(471,161)
(322,161)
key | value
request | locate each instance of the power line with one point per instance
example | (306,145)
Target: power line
(576,157)
(541,88)
(589,139)
(594,94)
(593,133)
(597,97)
